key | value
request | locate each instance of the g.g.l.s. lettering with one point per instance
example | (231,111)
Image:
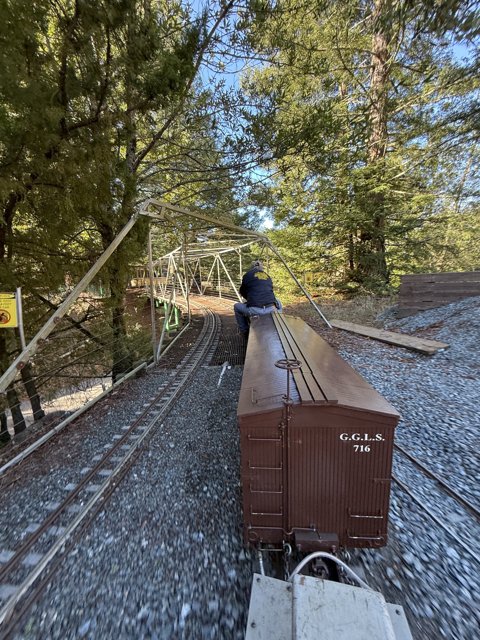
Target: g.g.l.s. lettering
(361,438)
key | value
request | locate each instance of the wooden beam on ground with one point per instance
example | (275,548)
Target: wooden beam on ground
(428,347)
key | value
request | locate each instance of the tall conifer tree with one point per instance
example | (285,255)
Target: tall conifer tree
(354,105)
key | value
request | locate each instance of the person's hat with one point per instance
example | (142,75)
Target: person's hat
(257,264)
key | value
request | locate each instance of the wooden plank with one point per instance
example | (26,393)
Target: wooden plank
(443,290)
(428,347)
(427,294)
(460,288)
(472,279)
(422,291)
(455,276)
(307,382)
(422,305)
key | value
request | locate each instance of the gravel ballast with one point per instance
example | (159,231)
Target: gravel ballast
(166,560)
(422,567)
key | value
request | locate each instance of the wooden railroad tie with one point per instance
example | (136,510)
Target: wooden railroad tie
(428,347)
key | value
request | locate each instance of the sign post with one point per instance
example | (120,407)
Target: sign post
(20,318)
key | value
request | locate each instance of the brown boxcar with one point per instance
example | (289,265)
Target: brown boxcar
(316,457)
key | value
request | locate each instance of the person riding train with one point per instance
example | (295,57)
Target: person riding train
(257,290)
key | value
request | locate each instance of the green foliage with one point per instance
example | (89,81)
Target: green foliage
(364,162)
(99,111)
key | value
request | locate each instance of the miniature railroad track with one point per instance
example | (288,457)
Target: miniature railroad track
(441,482)
(31,565)
(468,536)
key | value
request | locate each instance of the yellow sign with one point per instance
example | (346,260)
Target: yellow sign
(8,311)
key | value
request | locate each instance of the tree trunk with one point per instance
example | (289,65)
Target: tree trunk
(122,358)
(371,260)
(6,225)
(12,397)
(4,435)
(17,415)
(351,253)
(31,389)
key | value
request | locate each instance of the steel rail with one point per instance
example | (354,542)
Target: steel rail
(48,521)
(26,452)
(43,439)
(168,394)
(445,486)
(437,520)
(42,582)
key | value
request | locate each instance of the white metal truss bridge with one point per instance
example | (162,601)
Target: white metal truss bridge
(210,255)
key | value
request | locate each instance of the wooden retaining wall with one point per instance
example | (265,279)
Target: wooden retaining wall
(428,290)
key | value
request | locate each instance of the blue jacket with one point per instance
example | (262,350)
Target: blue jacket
(257,288)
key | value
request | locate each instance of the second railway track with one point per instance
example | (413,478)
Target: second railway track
(439,502)
(27,566)
(442,483)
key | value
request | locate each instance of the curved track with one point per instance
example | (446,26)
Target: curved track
(89,496)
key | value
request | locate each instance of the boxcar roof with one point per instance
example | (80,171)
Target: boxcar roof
(323,379)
